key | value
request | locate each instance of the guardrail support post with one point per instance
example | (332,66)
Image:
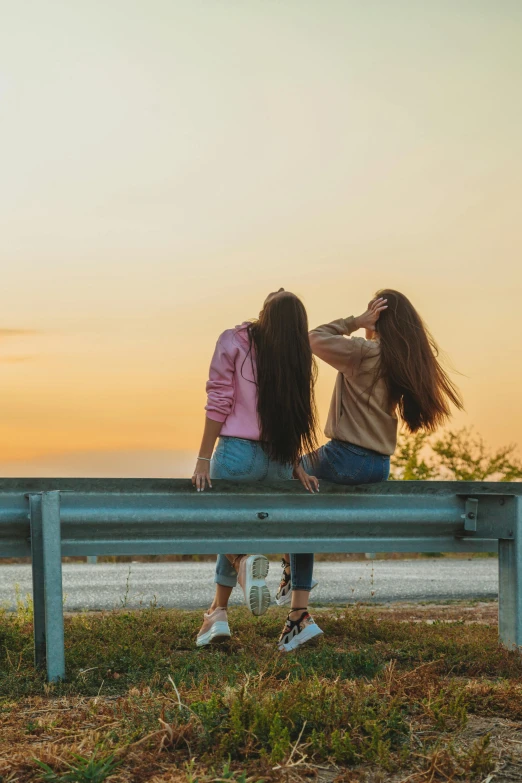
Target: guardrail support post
(510,584)
(52,567)
(35,516)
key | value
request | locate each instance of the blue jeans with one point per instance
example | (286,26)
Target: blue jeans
(343,463)
(245,460)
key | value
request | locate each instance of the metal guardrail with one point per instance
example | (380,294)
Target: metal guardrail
(50,518)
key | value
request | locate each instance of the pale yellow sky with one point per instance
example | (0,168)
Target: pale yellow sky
(165,164)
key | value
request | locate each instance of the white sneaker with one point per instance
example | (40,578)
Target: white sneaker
(251,575)
(214,629)
(297,632)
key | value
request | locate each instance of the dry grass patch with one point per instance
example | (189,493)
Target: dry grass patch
(384,696)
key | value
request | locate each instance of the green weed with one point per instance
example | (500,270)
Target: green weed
(82,770)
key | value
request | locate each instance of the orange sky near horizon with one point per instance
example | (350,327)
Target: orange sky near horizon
(166,165)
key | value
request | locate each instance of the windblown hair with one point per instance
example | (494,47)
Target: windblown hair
(285,375)
(418,386)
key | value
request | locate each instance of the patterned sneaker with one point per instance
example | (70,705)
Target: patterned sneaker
(284,593)
(297,632)
(215,627)
(251,574)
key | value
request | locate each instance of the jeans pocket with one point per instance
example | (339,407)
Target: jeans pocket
(236,456)
(284,472)
(349,464)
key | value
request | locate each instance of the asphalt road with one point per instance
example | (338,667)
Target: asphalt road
(189,585)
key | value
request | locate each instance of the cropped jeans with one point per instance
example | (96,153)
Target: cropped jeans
(337,461)
(245,460)
(344,463)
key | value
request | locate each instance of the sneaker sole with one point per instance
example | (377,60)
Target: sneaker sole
(309,633)
(256,592)
(288,597)
(219,632)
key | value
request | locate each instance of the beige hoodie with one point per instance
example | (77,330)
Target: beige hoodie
(360,410)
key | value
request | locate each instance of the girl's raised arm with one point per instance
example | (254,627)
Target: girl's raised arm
(328,341)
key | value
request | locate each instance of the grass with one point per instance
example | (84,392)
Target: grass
(91,770)
(378,699)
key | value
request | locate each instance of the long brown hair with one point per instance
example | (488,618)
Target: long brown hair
(285,375)
(417,384)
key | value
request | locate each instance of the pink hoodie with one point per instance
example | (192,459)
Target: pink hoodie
(231,387)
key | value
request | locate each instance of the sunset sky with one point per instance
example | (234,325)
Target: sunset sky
(164,164)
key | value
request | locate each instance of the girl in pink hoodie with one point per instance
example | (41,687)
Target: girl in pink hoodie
(261,407)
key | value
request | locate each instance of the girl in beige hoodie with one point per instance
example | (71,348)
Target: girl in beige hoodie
(390,376)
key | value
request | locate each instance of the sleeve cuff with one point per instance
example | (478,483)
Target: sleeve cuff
(216,416)
(350,324)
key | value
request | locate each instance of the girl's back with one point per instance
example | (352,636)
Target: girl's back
(360,411)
